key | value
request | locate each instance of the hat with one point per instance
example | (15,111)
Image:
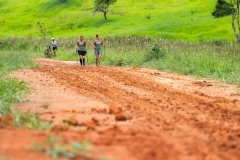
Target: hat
(52,38)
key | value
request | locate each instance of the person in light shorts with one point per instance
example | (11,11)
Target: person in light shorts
(97,45)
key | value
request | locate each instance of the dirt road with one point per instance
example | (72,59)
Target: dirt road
(130,113)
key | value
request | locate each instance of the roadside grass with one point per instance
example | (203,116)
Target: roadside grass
(13,90)
(203,65)
(215,59)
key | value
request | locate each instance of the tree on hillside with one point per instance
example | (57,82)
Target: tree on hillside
(222,9)
(235,18)
(102,6)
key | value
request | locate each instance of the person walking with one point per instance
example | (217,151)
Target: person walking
(81,48)
(54,46)
(97,45)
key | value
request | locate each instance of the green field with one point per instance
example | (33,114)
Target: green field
(170,19)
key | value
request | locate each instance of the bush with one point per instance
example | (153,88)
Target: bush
(222,9)
(61,1)
(154,52)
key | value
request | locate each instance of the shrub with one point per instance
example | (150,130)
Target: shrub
(154,52)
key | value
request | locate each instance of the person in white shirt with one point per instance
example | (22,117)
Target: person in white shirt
(54,46)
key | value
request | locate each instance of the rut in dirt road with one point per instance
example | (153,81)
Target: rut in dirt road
(166,122)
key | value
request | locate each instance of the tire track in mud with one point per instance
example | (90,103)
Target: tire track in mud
(189,125)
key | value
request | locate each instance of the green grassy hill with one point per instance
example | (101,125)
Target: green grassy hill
(171,19)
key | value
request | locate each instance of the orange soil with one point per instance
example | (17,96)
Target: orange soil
(127,113)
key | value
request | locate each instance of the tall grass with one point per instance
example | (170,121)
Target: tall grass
(13,90)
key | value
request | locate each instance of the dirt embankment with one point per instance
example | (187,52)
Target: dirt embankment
(130,113)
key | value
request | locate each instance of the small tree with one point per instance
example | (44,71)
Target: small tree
(41,29)
(235,18)
(222,9)
(102,6)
